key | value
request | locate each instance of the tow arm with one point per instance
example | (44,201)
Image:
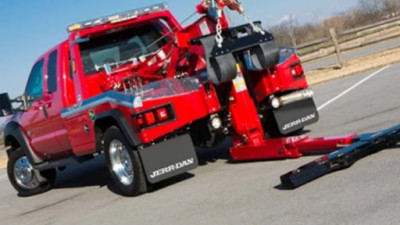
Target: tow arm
(342,152)
(248,134)
(362,145)
(230,55)
(249,141)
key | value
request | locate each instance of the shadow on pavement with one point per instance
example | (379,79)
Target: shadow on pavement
(95,172)
(90,173)
(210,155)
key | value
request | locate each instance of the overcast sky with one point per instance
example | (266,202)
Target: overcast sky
(30,28)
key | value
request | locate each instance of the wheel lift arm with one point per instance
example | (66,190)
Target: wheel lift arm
(363,145)
(249,142)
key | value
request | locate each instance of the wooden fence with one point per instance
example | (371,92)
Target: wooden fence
(312,50)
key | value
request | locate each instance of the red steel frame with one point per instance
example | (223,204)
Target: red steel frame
(248,132)
(249,142)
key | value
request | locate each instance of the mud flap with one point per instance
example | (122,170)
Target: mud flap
(295,116)
(168,159)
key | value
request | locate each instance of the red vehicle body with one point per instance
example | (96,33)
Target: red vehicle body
(144,90)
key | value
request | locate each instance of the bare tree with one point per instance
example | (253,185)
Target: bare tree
(286,32)
(369,10)
(370,7)
(338,22)
(281,35)
(290,33)
(390,8)
(291,25)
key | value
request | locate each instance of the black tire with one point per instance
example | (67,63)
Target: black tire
(27,186)
(129,179)
(270,126)
(299,131)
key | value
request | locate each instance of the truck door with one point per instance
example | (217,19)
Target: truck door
(35,120)
(55,79)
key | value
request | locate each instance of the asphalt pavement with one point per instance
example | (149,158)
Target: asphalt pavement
(2,150)
(220,192)
(353,54)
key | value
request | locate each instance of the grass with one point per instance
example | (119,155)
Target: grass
(354,66)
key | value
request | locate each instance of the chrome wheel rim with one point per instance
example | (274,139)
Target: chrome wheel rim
(121,163)
(24,174)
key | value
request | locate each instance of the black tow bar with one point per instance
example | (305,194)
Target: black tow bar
(364,144)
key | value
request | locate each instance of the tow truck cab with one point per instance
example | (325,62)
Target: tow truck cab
(142,89)
(50,86)
(91,78)
(125,41)
(85,96)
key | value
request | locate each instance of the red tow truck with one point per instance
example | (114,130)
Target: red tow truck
(143,90)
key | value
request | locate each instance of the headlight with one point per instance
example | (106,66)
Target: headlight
(215,122)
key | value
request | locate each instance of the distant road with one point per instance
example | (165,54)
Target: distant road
(367,50)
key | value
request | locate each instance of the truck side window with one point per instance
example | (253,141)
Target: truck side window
(34,88)
(71,73)
(52,72)
(121,46)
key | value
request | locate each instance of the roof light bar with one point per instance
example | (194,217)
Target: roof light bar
(116,18)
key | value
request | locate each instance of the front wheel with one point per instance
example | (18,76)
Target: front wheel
(124,164)
(24,178)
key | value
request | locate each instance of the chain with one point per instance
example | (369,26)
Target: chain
(133,85)
(140,85)
(250,21)
(218,37)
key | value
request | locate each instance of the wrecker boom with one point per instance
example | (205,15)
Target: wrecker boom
(249,143)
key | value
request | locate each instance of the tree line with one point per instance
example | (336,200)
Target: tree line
(291,33)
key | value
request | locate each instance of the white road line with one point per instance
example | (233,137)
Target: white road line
(352,87)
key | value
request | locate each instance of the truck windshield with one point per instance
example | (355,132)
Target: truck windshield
(121,46)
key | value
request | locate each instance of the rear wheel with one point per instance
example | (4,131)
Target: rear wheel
(299,131)
(124,164)
(24,178)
